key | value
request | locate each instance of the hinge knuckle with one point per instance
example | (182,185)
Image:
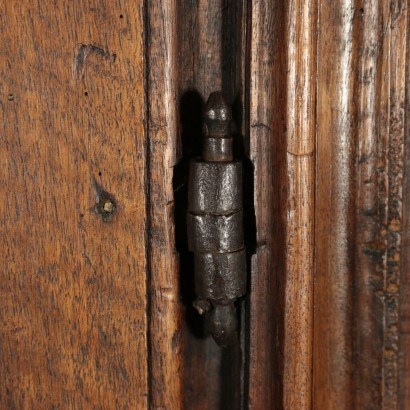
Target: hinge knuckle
(215,223)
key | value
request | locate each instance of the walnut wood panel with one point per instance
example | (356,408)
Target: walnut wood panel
(392,128)
(376,273)
(367,273)
(358,210)
(266,153)
(166,347)
(404,319)
(334,207)
(300,146)
(100,113)
(72,285)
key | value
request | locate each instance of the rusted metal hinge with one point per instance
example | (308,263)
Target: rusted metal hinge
(215,223)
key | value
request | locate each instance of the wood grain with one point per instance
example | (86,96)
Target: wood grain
(283,126)
(300,161)
(404,318)
(166,347)
(334,224)
(72,286)
(358,189)
(208,68)
(265,154)
(392,127)
(367,270)
(100,112)
(370,245)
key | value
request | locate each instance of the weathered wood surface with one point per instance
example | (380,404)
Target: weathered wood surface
(100,105)
(392,126)
(282,140)
(401,106)
(300,208)
(352,195)
(334,208)
(166,337)
(360,132)
(73,321)
(266,153)
(404,321)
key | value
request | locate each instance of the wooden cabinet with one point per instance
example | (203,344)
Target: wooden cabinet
(100,111)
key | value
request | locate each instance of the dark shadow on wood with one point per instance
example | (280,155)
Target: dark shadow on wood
(191,108)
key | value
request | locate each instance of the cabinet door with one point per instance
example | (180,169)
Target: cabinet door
(86,214)
(73,286)
(101,106)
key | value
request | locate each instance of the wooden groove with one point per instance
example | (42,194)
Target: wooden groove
(207,70)
(265,125)
(393,128)
(404,319)
(368,270)
(300,146)
(360,119)
(91,307)
(162,130)
(332,357)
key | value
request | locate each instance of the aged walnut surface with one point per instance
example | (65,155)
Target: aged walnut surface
(73,330)
(165,328)
(334,204)
(262,381)
(360,126)
(100,113)
(300,167)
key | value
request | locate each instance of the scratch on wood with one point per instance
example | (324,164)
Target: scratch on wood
(301,154)
(261,124)
(82,52)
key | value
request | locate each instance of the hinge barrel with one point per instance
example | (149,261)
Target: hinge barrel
(215,223)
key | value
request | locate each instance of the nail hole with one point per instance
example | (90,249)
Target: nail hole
(81,215)
(105,203)
(10,97)
(121,16)
(86,93)
(99,173)
(106,206)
